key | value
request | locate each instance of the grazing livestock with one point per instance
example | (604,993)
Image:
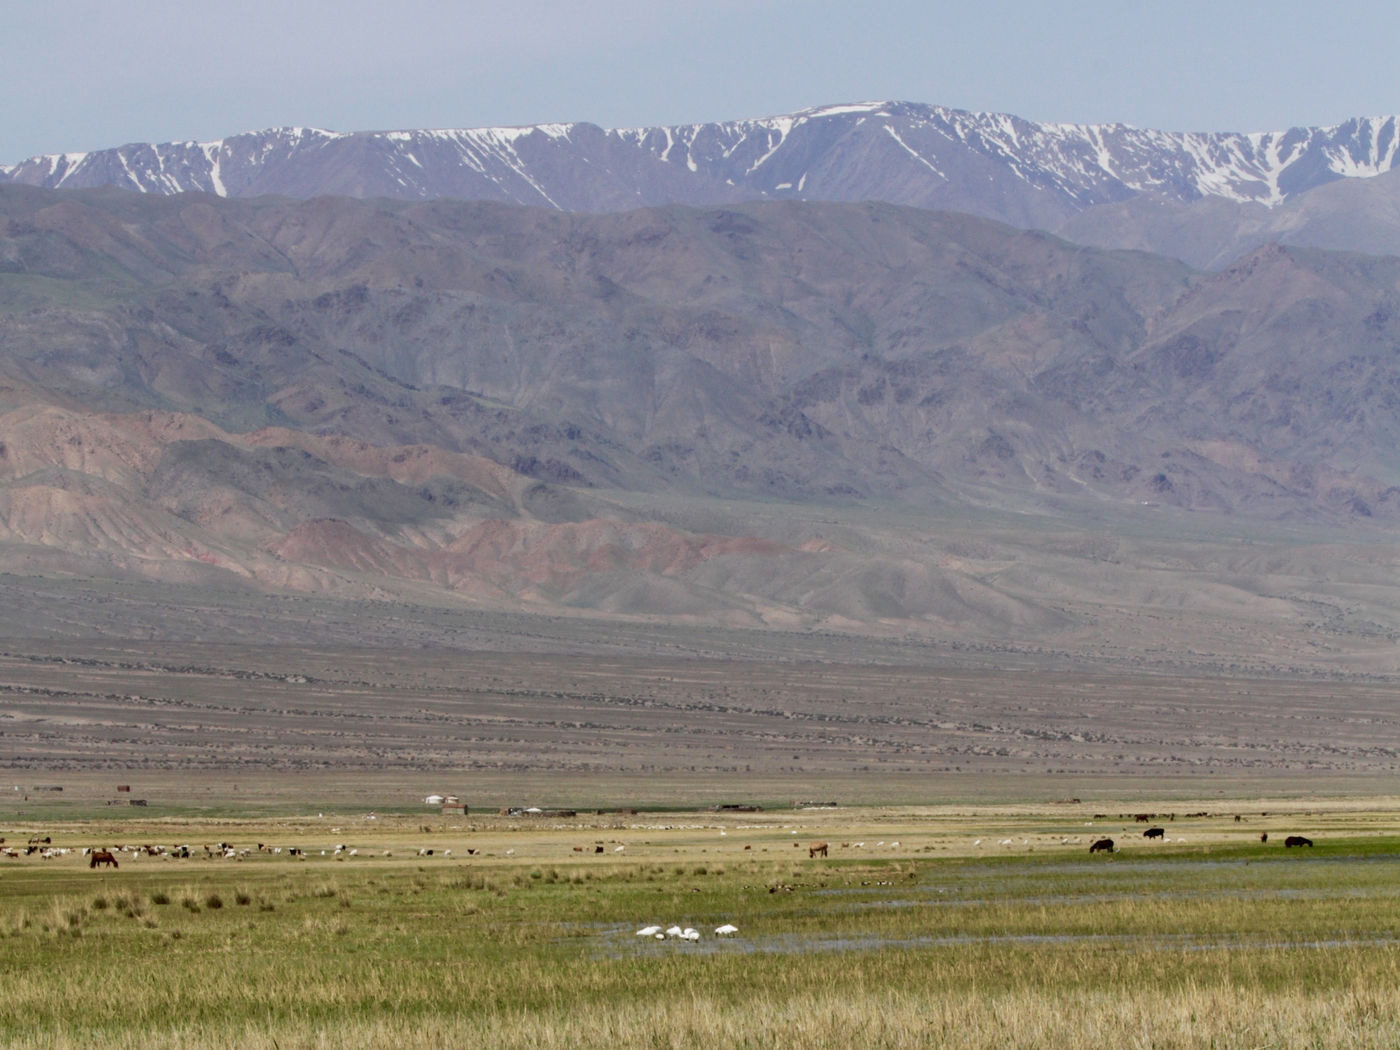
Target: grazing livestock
(1102,846)
(1263,836)
(817,847)
(1296,840)
(103,856)
(1154,833)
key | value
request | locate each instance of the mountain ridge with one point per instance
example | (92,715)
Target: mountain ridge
(927,156)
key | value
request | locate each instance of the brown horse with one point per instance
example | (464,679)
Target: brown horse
(103,856)
(815,848)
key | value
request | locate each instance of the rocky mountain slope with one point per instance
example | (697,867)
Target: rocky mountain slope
(787,414)
(994,165)
(792,350)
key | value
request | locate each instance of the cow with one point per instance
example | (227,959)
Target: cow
(103,856)
(1154,833)
(1263,836)
(817,847)
(1102,846)
(1296,840)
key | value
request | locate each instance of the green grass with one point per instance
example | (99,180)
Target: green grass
(1221,944)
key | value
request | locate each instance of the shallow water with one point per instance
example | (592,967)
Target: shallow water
(616,942)
(1067,883)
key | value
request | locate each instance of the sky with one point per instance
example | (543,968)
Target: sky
(88,74)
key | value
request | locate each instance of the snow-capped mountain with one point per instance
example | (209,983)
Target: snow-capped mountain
(990,164)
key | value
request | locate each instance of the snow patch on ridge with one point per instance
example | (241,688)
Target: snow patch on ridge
(1083,163)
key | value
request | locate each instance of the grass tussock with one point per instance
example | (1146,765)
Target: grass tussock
(1176,1019)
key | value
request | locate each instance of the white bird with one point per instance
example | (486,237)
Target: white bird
(648,931)
(727,930)
(510,851)
(674,931)
(690,934)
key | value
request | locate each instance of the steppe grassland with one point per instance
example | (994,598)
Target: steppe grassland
(918,937)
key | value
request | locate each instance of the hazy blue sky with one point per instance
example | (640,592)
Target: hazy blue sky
(94,73)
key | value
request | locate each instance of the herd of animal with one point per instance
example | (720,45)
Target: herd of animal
(1106,845)
(102,856)
(109,857)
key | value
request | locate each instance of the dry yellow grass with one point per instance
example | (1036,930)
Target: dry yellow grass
(1216,941)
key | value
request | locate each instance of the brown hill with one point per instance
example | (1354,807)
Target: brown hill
(856,417)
